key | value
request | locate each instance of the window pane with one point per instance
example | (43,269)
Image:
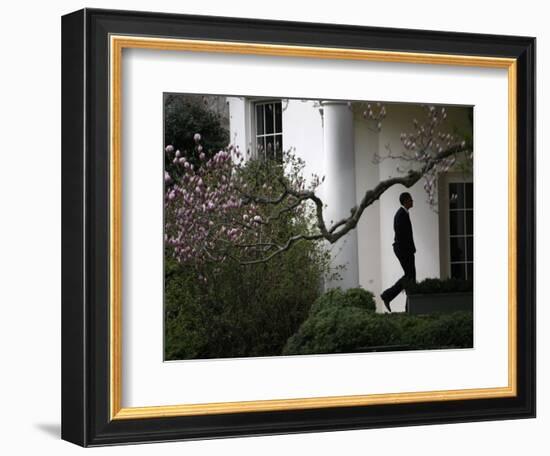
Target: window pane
(470,222)
(469,195)
(259,120)
(278,118)
(456,222)
(269,118)
(269,147)
(469,248)
(456,195)
(461,230)
(279,148)
(260,147)
(458,249)
(279,143)
(458,270)
(269,136)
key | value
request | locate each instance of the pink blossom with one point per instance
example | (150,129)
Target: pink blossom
(206,213)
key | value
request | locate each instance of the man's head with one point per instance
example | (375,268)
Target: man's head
(406,200)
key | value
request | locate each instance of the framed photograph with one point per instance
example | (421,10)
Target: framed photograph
(271,227)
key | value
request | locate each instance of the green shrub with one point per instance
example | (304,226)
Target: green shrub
(428,286)
(453,330)
(334,328)
(242,310)
(353,297)
(360,298)
(340,330)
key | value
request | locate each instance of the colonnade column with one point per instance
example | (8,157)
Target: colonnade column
(339,186)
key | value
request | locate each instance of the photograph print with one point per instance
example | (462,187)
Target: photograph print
(313,226)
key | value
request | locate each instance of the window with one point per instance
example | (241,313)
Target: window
(461,229)
(269,129)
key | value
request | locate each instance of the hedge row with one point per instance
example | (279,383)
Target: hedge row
(338,325)
(429,286)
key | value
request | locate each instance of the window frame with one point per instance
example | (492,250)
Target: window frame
(443,206)
(253,103)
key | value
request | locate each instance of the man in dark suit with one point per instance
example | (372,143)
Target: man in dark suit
(403,247)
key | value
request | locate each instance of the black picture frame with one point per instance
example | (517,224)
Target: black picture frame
(86,415)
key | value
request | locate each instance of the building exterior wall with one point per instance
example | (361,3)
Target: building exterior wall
(239,130)
(303,131)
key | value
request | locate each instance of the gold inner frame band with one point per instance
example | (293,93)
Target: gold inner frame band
(117,44)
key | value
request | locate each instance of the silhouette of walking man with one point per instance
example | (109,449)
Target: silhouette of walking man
(403,247)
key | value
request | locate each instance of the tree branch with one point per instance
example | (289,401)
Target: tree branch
(281,248)
(373,195)
(345,225)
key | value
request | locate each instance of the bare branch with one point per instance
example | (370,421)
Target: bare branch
(373,195)
(345,225)
(282,248)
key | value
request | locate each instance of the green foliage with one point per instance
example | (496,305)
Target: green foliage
(454,330)
(185,115)
(241,310)
(354,297)
(429,286)
(342,330)
(337,326)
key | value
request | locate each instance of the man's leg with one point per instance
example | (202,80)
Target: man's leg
(408,265)
(389,294)
(409,269)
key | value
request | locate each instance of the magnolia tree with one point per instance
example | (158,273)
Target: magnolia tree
(226,207)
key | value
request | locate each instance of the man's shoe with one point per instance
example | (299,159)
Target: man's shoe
(386,303)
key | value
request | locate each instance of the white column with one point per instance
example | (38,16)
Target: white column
(339,186)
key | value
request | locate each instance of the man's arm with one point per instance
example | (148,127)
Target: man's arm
(410,239)
(400,228)
(403,231)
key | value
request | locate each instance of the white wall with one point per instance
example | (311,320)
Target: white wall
(30,230)
(238,123)
(303,130)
